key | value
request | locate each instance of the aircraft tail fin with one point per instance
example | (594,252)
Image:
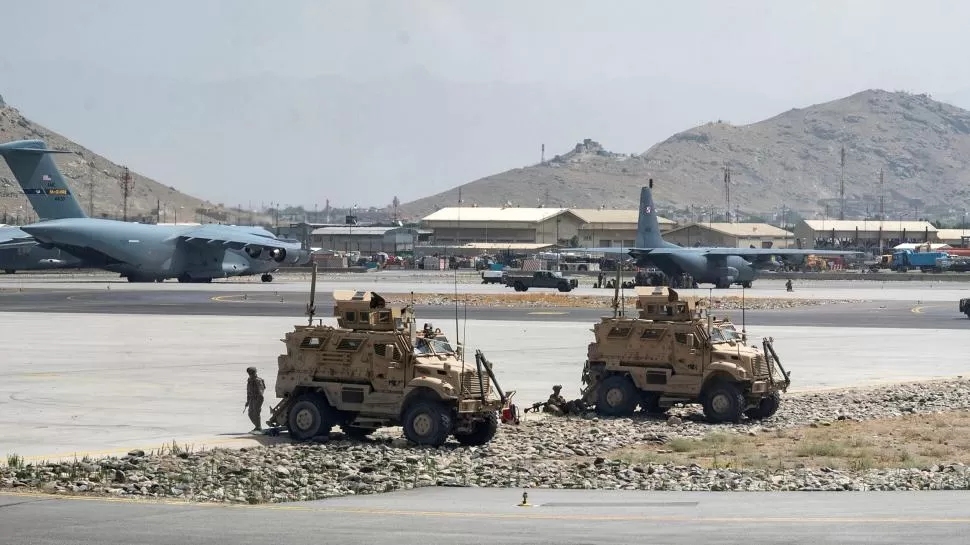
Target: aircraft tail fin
(45,188)
(648,228)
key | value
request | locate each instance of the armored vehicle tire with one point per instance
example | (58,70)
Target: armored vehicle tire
(310,416)
(723,402)
(519,286)
(766,408)
(616,396)
(482,432)
(355,432)
(428,422)
(564,287)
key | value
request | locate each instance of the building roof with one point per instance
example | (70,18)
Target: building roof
(353,230)
(738,229)
(506,245)
(869,225)
(595,215)
(482,213)
(952,234)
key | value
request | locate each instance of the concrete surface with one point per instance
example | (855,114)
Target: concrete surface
(103,384)
(879,314)
(443,282)
(473,516)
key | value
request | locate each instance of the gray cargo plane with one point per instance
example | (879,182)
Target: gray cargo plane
(139,252)
(719,266)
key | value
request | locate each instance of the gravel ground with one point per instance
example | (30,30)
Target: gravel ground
(554,300)
(544,452)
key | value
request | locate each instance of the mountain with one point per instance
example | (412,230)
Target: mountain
(791,160)
(145,194)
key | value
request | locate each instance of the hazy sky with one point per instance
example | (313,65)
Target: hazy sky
(481,84)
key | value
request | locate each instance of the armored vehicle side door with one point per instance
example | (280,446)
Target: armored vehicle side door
(686,357)
(388,368)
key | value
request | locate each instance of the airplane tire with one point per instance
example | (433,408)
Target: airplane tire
(746,285)
(9,271)
(266,278)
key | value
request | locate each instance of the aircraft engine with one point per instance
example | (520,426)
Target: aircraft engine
(727,273)
(278,254)
(253,251)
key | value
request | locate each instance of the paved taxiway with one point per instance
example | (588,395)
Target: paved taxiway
(466,516)
(442,282)
(880,314)
(92,370)
(102,384)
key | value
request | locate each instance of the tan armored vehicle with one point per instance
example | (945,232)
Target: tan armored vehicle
(671,354)
(374,370)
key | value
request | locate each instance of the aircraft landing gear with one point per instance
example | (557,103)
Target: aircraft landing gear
(266,277)
(9,271)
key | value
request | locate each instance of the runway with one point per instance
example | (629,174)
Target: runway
(889,314)
(472,516)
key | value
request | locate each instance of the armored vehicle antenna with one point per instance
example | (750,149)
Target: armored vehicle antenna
(616,290)
(310,307)
(744,332)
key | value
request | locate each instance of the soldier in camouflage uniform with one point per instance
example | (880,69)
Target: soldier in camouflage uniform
(254,397)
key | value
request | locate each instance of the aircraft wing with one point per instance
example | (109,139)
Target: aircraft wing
(764,252)
(741,252)
(236,239)
(15,238)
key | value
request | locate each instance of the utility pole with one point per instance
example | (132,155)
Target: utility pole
(91,188)
(882,198)
(126,184)
(842,188)
(158,210)
(542,155)
(727,194)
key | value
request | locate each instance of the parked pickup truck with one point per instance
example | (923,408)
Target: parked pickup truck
(965,307)
(541,279)
(493,277)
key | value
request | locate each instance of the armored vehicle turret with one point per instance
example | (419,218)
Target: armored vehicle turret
(376,369)
(670,353)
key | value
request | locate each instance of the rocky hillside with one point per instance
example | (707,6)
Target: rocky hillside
(791,160)
(107,202)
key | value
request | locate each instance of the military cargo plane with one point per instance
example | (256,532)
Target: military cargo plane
(139,252)
(711,265)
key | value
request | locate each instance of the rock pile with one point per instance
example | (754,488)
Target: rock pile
(545,453)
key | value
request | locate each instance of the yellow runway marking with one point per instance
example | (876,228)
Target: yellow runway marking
(919,309)
(531,515)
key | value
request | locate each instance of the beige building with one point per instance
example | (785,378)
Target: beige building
(591,227)
(953,237)
(730,235)
(609,228)
(487,224)
(862,233)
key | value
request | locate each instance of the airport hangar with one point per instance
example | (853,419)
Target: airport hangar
(478,229)
(872,234)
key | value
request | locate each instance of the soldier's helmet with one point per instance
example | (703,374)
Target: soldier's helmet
(251,370)
(557,387)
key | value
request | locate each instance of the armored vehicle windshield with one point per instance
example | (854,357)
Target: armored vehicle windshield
(437,345)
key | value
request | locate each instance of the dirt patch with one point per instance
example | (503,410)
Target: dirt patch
(904,442)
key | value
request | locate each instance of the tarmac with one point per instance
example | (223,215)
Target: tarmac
(96,366)
(460,516)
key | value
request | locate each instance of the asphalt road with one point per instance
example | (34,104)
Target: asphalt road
(881,314)
(466,516)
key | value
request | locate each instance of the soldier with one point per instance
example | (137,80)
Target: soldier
(254,397)
(788,285)
(556,404)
